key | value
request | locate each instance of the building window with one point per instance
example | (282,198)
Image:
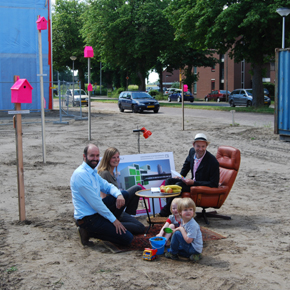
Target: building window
(195,88)
(272,66)
(213,68)
(213,85)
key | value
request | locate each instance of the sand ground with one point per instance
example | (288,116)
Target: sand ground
(44,252)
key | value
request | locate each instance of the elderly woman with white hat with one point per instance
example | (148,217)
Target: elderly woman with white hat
(204,169)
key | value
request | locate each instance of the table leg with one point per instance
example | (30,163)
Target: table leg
(148,215)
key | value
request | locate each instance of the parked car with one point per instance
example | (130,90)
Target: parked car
(244,97)
(177,96)
(266,93)
(152,88)
(137,102)
(218,96)
(78,95)
(169,91)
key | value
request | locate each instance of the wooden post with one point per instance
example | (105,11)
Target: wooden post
(19,159)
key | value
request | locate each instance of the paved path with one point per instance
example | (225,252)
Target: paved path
(242,118)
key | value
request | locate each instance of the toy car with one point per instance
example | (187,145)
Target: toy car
(149,254)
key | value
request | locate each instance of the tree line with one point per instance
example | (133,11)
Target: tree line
(132,37)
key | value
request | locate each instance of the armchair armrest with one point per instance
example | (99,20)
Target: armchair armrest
(205,196)
(209,190)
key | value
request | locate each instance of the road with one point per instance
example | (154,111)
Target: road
(241,118)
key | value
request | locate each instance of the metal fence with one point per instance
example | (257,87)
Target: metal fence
(60,89)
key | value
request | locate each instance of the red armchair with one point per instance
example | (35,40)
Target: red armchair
(229,159)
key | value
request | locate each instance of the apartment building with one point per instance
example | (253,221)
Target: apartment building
(225,75)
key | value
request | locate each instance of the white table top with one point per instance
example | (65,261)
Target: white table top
(148,193)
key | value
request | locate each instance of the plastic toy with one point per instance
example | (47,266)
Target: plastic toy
(168,230)
(149,254)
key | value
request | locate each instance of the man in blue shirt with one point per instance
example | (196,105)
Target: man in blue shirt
(97,217)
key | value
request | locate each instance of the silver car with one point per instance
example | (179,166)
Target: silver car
(78,95)
(244,97)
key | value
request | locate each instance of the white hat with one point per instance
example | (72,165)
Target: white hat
(200,137)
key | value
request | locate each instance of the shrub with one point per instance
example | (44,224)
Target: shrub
(175,85)
(153,93)
(133,88)
(120,90)
(97,91)
(157,95)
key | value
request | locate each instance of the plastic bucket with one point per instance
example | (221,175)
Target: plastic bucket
(158,243)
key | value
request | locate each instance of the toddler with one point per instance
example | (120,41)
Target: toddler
(172,222)
(187,238)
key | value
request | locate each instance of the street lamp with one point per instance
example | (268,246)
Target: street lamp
(283,11)
(73,58)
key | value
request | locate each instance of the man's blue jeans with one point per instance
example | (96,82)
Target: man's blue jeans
(100,228)
(179,246)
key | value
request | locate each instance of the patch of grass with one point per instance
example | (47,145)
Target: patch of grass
(264,110)
(105,271)
(105,101)
(59,282)
(11,269)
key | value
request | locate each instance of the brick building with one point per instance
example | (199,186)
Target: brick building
(225,75)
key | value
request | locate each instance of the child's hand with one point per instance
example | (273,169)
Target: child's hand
(159,235)
(177,229)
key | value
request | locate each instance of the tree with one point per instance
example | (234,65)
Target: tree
(249,30)
(128,35)
(66,37)
(62,74)
(181,56)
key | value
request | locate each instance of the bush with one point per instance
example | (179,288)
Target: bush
(133,88)
(157,95)
(153,93)
(97,91)
(175,85)
(120,90)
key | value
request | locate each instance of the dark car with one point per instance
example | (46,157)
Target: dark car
(244,97)
(177,96)
(266,93)
(137,102)
(218,95)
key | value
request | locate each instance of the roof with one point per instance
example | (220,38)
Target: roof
(19,83)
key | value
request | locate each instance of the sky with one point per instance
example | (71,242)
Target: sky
(153,77)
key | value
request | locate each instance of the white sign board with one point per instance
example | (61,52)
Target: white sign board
(147,170)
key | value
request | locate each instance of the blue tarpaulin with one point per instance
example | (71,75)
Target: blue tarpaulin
(19,52)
